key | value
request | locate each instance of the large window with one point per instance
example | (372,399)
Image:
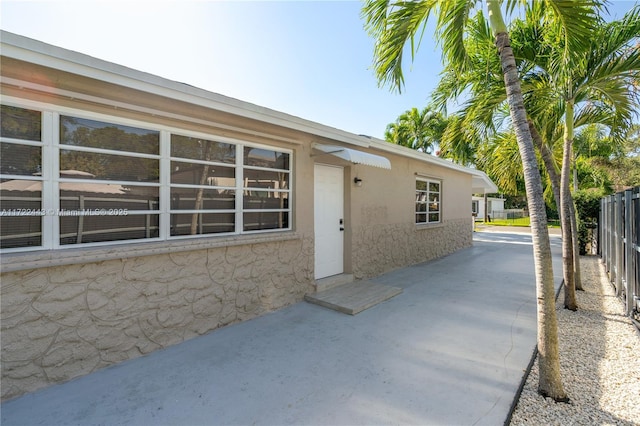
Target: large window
(203,186)
(428,200)
(20,177)
(110,169)
(67,180)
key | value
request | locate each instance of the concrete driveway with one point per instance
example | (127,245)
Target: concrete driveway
(450,350)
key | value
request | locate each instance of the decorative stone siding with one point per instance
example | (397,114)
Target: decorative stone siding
(66,321)
(382,248)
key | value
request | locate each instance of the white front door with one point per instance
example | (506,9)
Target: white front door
(328,220)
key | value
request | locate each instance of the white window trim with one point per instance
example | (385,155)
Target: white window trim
(51,162)
(429,180)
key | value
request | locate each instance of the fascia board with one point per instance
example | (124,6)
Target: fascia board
(420,156)
(486,183)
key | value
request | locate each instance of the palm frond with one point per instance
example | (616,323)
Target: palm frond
(578,20)
(393,24)
(452,20)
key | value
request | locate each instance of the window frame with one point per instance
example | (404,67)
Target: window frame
(50,199)
(427,193)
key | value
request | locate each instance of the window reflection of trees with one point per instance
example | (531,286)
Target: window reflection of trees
(20,155)
(203,175)
(427,201)
(102,152)
(265,189)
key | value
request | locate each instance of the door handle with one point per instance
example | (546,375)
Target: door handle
(341,223)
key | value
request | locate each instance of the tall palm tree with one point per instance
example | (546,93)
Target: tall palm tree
(393,24)
(417,129)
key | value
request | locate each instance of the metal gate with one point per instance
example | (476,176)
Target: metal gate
(619,244)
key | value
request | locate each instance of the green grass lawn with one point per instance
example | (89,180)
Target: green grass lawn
(521,221)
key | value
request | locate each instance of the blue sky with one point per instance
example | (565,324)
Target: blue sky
(308,59)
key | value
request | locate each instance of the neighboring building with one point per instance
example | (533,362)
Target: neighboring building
(198,211)
(494,207)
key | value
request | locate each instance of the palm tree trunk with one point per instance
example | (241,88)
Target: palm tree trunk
(570,301)
(550,383)
(549,164)
(554,177)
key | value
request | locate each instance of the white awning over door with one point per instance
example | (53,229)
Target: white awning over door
(355,156)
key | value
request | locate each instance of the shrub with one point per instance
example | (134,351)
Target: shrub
(588,211)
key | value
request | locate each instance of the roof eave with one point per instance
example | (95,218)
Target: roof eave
(40,53)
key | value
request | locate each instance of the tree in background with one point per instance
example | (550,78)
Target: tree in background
(607,163)
(417,129)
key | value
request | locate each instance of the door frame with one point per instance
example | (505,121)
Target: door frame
(342,215)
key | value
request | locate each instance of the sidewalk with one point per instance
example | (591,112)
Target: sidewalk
(451,349)
(488,227)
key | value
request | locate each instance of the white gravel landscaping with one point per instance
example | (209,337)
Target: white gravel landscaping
(599,361)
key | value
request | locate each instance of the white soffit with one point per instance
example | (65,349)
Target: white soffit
(355,156)
(482,184)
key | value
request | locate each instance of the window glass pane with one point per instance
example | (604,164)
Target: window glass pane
(211,199)
(255,221)
(266,179)
(96,196)
(20,232)
(200,149)
(22,198)
(427,201)
(434,206)
(20,123)
(18,159)
(202,223)
(96,134)
(263,200)
(265,158)
(100,228)
(91,165)
(202,174)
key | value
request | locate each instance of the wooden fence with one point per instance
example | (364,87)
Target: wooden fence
(619,244)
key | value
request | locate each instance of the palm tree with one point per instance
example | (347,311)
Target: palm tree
(417,129)
(393,24)
(595,80)
(460,142)
(539,45)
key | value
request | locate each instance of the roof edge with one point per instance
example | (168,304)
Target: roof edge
(40,53)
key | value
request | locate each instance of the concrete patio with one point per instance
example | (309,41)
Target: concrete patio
(450,349)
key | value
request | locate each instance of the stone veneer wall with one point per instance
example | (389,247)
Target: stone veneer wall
(382,248)
(66,321)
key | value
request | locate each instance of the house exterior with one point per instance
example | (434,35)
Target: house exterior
(494,206)
(139,212)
